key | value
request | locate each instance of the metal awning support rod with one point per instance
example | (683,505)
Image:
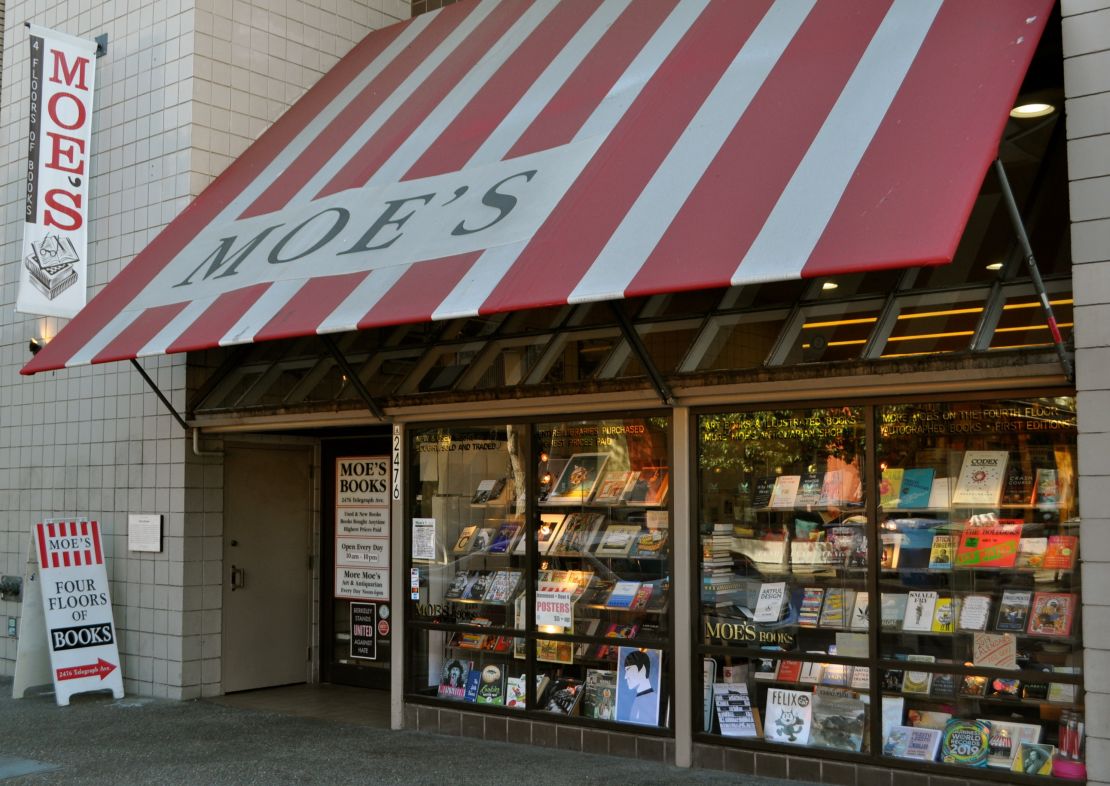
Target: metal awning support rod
(1035,274)
(633,339)
(161,396)
(352,377)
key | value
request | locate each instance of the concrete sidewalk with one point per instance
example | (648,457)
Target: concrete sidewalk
(144,741)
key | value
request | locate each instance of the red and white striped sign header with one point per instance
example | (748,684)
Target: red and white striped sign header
(499,155)
(67,544)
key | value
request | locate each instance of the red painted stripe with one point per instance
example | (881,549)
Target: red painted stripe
(142,270)
(96,543)
(594,77)
(136,335)
(400,126)
(473,125)
(310,306)
(55,559)
(584,220)
(65,559)
(50,529)
(910,197)
(419,291)
(369,99)
(84,528)
(40,532)
(727,209)
(217,320)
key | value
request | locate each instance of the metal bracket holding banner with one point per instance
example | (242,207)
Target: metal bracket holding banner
(74,615)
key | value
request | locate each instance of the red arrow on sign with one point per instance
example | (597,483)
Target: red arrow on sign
(101,668)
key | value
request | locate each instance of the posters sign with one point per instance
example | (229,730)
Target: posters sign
(362,527)
(554,608)
(53,262)
(78,610)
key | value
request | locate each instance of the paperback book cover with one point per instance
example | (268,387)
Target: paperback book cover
(624,592)
(617,540)
(476,589)
(473,682)
(892,550)
(861,613)
(917,681)
(981,477)
(1013,611)
(917,485)
(892,610)
(944,685)
(462,545)
(1052,614)
(505,538)
(789,716)
(974,612)
(965,742)
(993,545)
(563,695)
(503,586)
(942,552)
(761,493)
(838,722)
(809,489)
(735,715)
(1033,759)
(909,742)
(890,486)
(1061,552)
(810,612)
(944,615)
(771,602)
(785,491)
(838,605)
(611,487)
(491,686)
(458,585)
(1019,486)
(482,539)
(1047,493)
(546,534)
(789,670)
(919,611)
(453,679)
(599,694)
(1030,553)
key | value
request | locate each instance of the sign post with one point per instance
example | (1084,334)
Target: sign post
(76,610)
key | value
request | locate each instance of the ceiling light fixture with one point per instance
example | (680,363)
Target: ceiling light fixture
(1035,109)
(829,285)
(994,266)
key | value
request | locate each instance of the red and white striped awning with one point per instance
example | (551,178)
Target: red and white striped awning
(503,155)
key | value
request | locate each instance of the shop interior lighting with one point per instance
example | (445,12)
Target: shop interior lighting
(1031,110)
(830,285)
(994,266)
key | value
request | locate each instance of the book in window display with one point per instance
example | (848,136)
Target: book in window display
(617,540)
(944,685)
(577,481)
(459,584)
(599,694)
(1047,489)
(482,539)
(650,487)
(981,478)
(917,681)
(839,721)
(861,613)
(563,696)
(965,742)
(735,714)
(616,630)
(1052,614)
(506,537)
(503,586)
(910,742)
(491,686)
(547,533)
(919,611)
(809,489)
(1030,553)
(577,533)
(453,679)
(990,544)
(789,716)
(1013,611)
(476,589)
(1019,487)
(638,685)
(892,610)
(944,615)
(611,487)
(974,612)
(462,545)
(1060,552)
(785,491)
(917,485)
(942,552)
(485,491)
(890,485)
(892,550)
(761,493)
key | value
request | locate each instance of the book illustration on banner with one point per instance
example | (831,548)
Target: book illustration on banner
(505,538)
(51,264)
(1013,611)
(491,685)
(1052,614)
(838,721)
(610,489)
(735,715)
(965,742)
(981,478)
(650,487)
(546,534)
(910,742)
(638,685)
(462,545)
(599,694)
(453,679)
(788,716)
(578,479)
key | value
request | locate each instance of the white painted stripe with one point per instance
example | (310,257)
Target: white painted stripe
(386,110)
(262,311)
(175,327)
(428,132)
(475,286)
(312,130)
(521,116)
(801,214)
(667,191)
(362,298)
(469,295)
(105,336)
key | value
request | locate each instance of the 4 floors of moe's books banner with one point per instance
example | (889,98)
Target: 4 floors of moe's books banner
(889,584)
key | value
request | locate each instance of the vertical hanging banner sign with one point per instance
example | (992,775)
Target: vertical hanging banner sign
(81,635)
(52,273)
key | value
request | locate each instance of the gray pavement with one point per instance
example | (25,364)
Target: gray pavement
(144,741)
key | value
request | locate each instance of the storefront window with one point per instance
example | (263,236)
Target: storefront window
(948,597)
(783,576)
(543,583)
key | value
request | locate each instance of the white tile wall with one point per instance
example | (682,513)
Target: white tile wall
(186,86)
(1086,38)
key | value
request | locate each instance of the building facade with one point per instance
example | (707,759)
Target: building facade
(277,428)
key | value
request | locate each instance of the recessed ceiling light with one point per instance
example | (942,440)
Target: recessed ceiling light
(994,266)
(829,285)
(1032,110)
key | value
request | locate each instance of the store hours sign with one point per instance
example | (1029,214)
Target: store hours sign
(362,537)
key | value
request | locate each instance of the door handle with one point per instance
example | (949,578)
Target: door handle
(238,578)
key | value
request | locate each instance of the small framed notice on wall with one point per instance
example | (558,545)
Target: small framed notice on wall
(144,532)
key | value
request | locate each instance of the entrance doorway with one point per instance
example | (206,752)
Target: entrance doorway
(267,566)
